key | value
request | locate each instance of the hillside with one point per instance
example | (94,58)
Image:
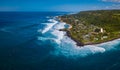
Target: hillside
(91,27)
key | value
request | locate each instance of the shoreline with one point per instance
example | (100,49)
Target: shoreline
(81,44)
(69,35)
(78,43)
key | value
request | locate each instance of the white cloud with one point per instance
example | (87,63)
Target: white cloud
(111,1)
(114,6)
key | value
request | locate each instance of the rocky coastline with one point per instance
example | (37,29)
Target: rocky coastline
(78,43)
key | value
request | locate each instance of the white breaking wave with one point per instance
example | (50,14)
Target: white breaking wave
(66,46)
(69,48)
(110,45)
(52,20)
(51,31)
(48,26)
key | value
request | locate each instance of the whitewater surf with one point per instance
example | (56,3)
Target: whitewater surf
(66,46)
(32,40)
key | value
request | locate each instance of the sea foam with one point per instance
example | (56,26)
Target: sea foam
(51,31)
(66,46)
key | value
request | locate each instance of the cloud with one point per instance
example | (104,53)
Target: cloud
(111,1)
(113,6)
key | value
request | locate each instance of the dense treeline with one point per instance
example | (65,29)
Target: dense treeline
(108,19)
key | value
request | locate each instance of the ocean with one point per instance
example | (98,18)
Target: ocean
(32,41)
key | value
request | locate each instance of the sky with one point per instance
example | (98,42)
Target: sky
(58,5)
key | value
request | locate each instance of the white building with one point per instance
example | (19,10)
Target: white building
(101,30)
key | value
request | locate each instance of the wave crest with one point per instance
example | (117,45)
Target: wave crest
(67,47)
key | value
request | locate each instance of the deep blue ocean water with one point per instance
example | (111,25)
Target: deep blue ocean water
(31,41)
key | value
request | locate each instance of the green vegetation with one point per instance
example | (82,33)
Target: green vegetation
(89,27)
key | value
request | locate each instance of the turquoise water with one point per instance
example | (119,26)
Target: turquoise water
(32,41)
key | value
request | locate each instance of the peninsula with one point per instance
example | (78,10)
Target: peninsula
(93,27)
